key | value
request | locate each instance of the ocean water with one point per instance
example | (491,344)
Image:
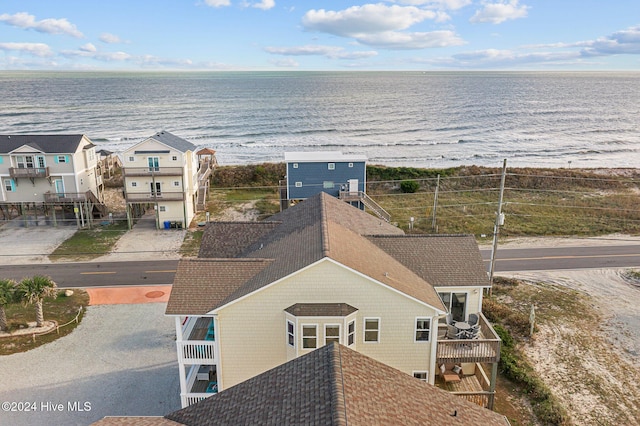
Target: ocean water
(430,119)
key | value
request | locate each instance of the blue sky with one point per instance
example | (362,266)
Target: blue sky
(319,35)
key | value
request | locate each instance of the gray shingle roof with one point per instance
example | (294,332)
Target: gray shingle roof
(430,257)
(53,144)
(321,309)
(335,385)
(173,141)
(321,226)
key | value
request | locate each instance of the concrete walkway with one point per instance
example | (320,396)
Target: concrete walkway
(120,361)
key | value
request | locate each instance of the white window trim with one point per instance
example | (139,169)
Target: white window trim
(162,208)
(295,165)
(131,159)
(134,184)
(426,373)
(331,166)
(298,184)
(364,329)
(350,165)
(339,332)
(348,334)
(415,329)
(290,342)
(302,327)
(176,183)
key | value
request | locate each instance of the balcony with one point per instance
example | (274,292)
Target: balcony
(152,171)
(484,349)
(28,172)
(64,197)
(474,387)
(202,382)
(150,197)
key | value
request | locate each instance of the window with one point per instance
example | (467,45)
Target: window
(163,208)
(331,166)
(174,158)
(295,165)
(309,336)
(8,185)
(155,188)
(132,159)
(423,327)
(298,184)
(25,162)
(350,165)
(176,183)
(291,335)
(62,158)
(154,164)
(331,334)
(351,333)
(134,184)
(41,163)
(92,154)
(421,375)
(327,184)
(371,330)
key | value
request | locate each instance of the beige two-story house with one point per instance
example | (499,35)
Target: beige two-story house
(161,173)
(264,293)
(52,176)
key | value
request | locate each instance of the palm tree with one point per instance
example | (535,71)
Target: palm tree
(34,290)
(7,295)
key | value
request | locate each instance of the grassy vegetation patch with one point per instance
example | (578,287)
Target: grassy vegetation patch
(508,308)
(87,244)
(62,309)
(191,243)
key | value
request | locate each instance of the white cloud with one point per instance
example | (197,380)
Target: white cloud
(398,40)
(110,38)
(89,47)
(265,4)
(621,42)
(90,51)
(49,26)
(284,63)
(217,3)
(331,52)
(438,4)
(366,19)
(497,13)
(35,49)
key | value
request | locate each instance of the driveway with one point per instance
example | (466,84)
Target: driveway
(120,361)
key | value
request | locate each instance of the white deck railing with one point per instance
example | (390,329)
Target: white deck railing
(197,352)
(192,398)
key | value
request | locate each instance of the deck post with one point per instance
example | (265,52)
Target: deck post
(492,385)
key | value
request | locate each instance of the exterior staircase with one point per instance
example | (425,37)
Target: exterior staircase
(203,185)
(368,202)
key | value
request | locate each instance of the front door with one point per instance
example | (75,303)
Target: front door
(154,164)
(59,187)
(353,185)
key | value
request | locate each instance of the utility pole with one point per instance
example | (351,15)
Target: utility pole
(434,227)
(496,226)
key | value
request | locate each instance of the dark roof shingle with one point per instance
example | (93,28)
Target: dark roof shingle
(53,144)
(335,385)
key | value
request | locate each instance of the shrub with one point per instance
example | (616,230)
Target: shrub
(409,186)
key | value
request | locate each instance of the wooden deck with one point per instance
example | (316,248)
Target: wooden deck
(474,388)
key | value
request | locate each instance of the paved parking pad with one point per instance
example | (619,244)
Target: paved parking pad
(120,361)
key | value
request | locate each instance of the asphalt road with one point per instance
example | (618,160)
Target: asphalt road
(136,273)
(546,259)
(98,274)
